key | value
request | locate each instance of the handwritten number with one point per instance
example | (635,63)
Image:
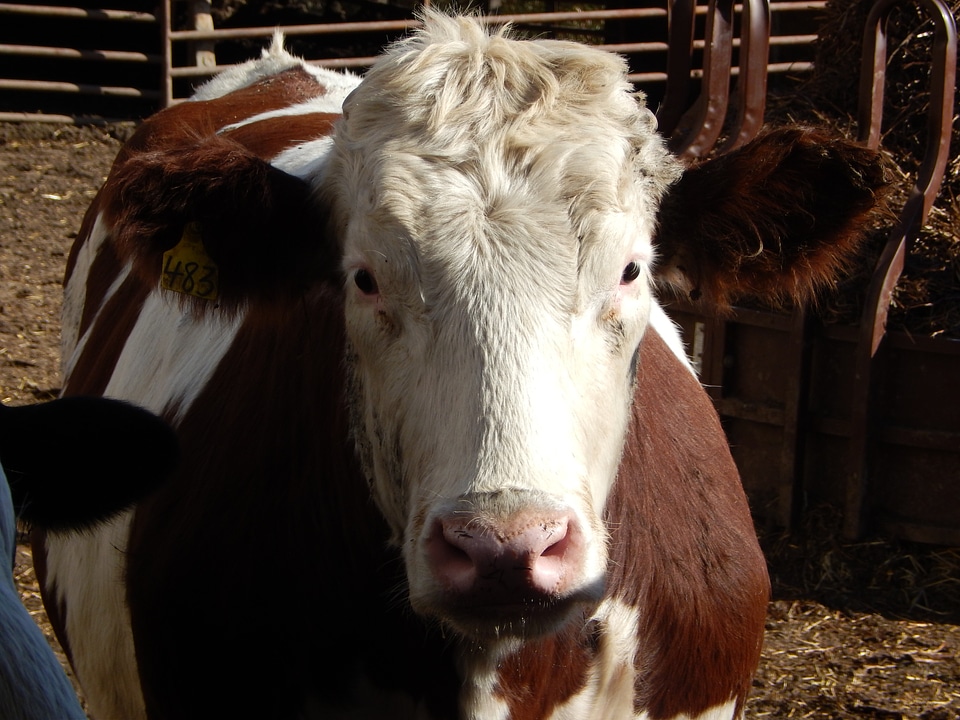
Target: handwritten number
(172,274)
(207,285)
(190,277)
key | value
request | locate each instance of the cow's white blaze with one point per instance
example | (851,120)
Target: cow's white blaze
(496,234)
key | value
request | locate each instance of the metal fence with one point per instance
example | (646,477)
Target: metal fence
(88,64)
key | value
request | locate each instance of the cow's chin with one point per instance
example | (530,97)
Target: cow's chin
(522,618)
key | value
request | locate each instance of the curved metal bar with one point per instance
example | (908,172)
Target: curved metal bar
(915,210)
(706,117)
(752,83)
(680,23)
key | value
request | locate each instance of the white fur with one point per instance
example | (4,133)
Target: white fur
(718,712)
(608,692)
(496,190)
(667,329)
(273,60)
(87,569)
(306,161)
(329,102)
(75,295)
(32,683)
(175,350)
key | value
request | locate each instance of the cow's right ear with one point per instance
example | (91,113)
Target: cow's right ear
(263,229)
(774,220)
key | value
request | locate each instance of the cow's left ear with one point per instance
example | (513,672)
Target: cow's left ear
(773,220)
(77,461)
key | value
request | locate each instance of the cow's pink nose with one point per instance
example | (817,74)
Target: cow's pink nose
(524,558)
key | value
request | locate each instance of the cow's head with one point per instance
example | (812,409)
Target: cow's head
(496,205)
(497,202)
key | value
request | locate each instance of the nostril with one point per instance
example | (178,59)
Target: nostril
(559,545)
(525,555)
(447,548)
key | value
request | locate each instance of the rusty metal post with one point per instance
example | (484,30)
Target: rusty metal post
(752,82)
(705,118)
(166,52)
(914,213)
(680,23)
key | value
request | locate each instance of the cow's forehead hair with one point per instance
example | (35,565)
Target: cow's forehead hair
(554,123)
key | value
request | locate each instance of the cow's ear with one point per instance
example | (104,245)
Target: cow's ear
(262,230)
(77,461)
(773,220)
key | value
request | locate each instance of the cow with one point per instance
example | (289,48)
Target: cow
(442,453)
(72,463)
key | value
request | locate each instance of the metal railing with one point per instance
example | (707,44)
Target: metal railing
(35,91)
(184,52)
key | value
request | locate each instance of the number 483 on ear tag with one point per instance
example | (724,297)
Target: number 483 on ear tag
(188,269)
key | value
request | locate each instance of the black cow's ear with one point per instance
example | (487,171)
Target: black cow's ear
(775,219)
(77,461)
(263,231)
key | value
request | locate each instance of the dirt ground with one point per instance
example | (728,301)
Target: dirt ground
(855,630)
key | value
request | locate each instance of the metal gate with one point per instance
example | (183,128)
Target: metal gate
(79,62)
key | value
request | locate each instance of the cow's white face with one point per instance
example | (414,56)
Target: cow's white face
(497,261)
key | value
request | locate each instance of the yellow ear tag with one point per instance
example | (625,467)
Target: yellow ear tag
(188,269)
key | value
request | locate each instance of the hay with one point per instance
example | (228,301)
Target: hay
(895,578)
(927,298)
(858,629)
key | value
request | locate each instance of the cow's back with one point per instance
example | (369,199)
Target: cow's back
(264,443)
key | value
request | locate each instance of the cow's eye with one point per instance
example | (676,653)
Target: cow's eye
(365,282)
(630,273)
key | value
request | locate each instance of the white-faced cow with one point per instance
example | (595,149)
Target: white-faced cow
(443,456)
(71,463)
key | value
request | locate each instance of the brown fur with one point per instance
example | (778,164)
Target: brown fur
(258,224)
(545,673)
(683,552)
(268,138)
(683,547)
(773,220)
(181,123)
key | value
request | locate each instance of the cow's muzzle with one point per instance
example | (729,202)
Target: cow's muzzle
(503,569)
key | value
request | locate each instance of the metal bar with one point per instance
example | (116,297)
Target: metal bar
(705,118)
(777,6)
(634,48)
(680,27)
(203,52)
(400,25)
(81,89)
(75,54)
(166,49)
(647,77)
(91,14)
(62,119)
(792,39)
(752,83)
